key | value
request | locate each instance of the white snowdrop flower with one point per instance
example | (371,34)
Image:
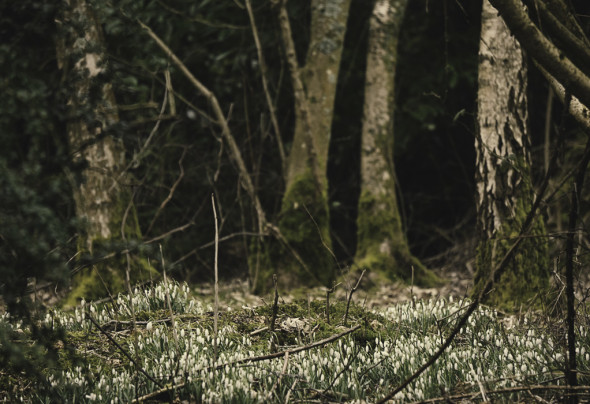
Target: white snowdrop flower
(149,326)
(510,367)
(523,368)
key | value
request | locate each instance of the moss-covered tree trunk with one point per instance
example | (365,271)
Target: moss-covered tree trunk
(503,177)
(382,244)
(101,197)
(304,217)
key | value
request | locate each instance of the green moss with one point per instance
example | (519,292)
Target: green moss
(90,282)
(382,245)
(525,281)
(304,223)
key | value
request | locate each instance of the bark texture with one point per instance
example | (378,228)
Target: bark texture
(304,218)
(100,199)
(505,192)
(382,245)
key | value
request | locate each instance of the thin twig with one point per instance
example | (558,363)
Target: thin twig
(350,296)
(171,192)
(172,319)
(264,73)
(283,371)
(235,153)
(216,315)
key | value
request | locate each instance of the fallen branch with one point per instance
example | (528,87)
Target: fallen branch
(253,359)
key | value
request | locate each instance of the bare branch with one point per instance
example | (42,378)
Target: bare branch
(235,153)
(264,74)
(172,189)
(542,50)
(578,110)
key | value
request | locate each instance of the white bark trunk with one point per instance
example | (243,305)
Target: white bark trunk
(104,156)
(502,119)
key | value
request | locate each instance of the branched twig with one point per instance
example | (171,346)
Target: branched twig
(350,296)
(235,153)
(171,193)
(264,73)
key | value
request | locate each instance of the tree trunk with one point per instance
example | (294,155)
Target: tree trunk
(100,199)
(505,191)
(382,244)
(304,218)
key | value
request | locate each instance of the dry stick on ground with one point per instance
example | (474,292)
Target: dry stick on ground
(264,74)
(137,365)
(350,296)
(254,359)
(168,303)
(216,314)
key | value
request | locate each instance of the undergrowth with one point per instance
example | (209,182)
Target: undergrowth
(503,357)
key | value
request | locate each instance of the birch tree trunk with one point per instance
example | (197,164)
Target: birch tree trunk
(382,244)
(304,218)
(504,189)
(100,199)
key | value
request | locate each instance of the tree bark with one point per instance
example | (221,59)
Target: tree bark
(100,197)
(504,188)
(304,217)
(382,244)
